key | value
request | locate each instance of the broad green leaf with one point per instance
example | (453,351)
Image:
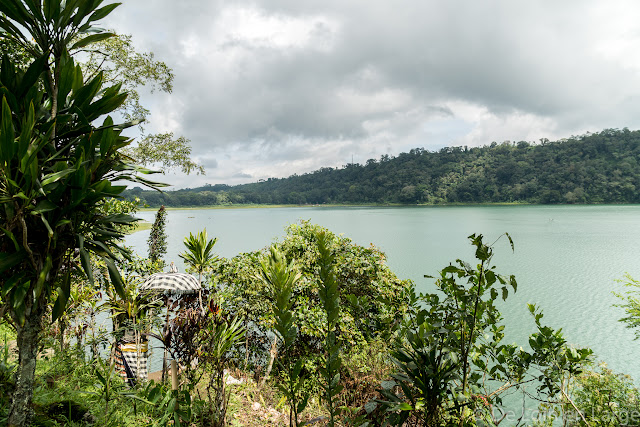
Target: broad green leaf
(88,91)
(16,11)
(105,106)
(10,260)
(35,6)
(63,297)
(25,136)
(53,177)
(91,39)
(51,10)
(42,277)
(403,407)
(116,279)
(10,283)
(31,76)
(44,205)
(85,259)
(102,12)
(46,224)
(17,298)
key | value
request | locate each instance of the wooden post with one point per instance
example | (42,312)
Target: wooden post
(164,331)
(174,375)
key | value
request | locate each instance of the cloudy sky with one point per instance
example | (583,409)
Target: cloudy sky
(268,88)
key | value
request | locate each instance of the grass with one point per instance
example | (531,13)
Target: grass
(141,226)
(69,390)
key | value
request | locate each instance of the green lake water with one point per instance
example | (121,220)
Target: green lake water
(567,258)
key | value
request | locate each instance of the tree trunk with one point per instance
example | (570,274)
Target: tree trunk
(272,357)
(28,340)
(94,344)
(62,328)
(166,353)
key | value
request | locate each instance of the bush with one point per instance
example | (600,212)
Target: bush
(373,298)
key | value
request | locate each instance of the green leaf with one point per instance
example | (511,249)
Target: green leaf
(7,136)
(15,10)
(85,260)
(10,283)
(10,260)
(35,6)
(303,403)
(12,238)
(44,205)
(91,39)
(17,300)
(31,76)
(51,10)
(102,12)
(403,407)
(42,277)
(53,177)
(514,284)
(116,279)
(388,385)
(64,291)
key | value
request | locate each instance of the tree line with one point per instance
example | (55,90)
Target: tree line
(593,168)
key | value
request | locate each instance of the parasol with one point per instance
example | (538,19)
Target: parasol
(171,283)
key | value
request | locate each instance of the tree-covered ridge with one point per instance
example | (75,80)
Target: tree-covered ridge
(595,168)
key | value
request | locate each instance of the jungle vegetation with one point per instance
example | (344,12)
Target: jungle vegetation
(601,167)
(317,328)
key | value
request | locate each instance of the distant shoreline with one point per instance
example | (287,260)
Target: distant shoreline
(385,205)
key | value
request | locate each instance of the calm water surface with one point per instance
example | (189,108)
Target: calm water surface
(567,258)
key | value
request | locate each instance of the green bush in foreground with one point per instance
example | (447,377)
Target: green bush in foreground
(372,297)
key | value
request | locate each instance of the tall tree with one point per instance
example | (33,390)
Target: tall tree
(119,61)
(57,167)
(157,237)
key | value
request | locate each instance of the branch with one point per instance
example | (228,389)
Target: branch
(25,242)
(575,407)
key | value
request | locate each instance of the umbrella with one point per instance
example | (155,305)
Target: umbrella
(172,283)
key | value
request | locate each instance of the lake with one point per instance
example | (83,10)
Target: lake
(567,259)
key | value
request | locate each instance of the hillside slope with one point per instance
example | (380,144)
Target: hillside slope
(594,168)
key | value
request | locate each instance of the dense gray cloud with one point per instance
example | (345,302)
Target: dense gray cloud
(271,88)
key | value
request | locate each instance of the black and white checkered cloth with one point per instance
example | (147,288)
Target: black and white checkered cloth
(129,353)
(178,283)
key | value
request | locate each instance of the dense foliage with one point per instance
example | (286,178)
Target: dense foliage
(371,294)
(333,310)
(595,168)
(60,160)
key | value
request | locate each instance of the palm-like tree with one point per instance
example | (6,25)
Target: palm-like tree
(199,252)
(58,165)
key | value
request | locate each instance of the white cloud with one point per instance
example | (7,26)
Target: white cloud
(270,88)
(257,28)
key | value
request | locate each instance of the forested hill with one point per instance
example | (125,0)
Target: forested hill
(594,168)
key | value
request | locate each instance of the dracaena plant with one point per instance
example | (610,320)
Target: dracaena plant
(281,277)
(59,161)
(329,296)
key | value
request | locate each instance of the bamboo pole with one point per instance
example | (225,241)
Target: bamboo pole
(164,358)
(174,375)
